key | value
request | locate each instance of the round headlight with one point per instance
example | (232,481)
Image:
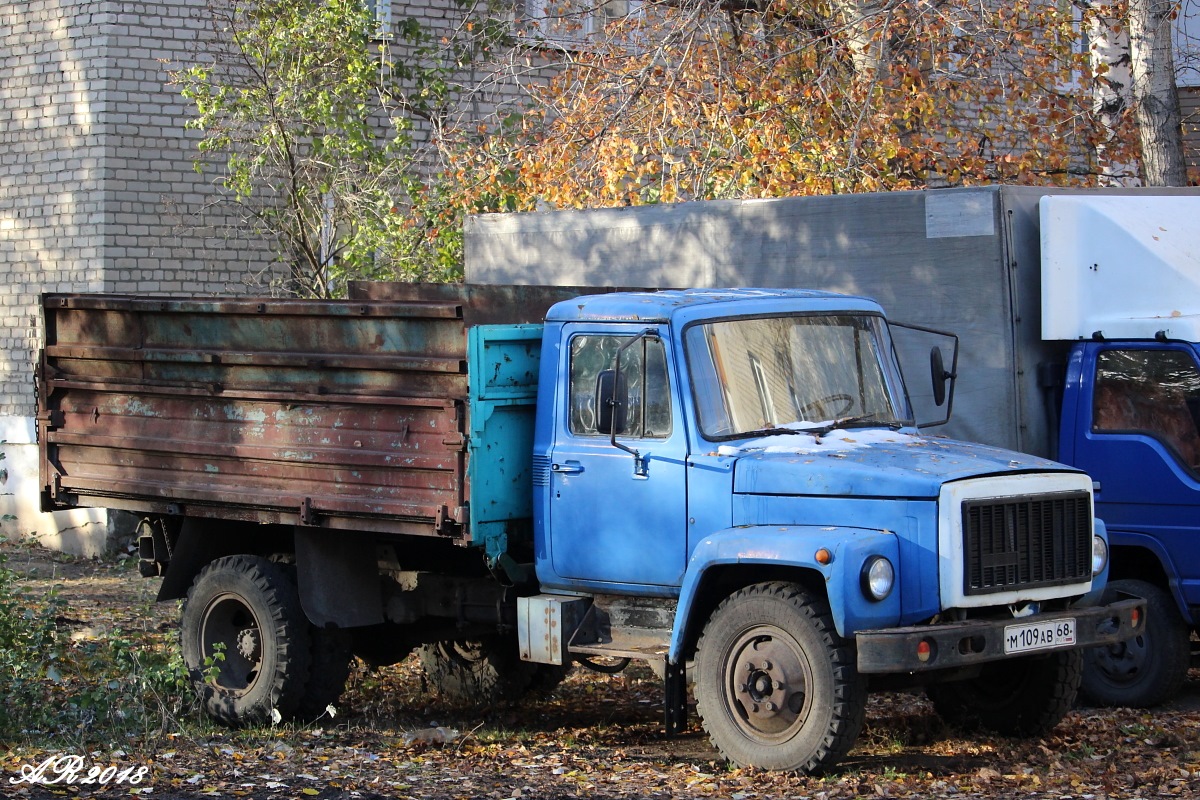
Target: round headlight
(1099,555)
(878,577)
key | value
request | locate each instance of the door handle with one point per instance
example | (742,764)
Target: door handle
(568,468)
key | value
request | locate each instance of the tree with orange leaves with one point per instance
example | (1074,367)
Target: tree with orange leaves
(746,99)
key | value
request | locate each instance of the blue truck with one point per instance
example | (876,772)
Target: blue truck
(1077,313)
(727,484)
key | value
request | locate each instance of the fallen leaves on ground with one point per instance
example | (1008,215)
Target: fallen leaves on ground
(596,736)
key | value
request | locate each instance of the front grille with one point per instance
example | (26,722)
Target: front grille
(1044,540)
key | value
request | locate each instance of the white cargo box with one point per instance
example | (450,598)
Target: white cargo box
(1120,267)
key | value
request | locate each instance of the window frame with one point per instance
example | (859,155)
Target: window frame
(551,31)
(588,383)
(1174,445)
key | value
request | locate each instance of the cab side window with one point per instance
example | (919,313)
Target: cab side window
(644,367)
(1153,392)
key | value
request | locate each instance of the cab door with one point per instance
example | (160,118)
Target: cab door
(611,521)
(1142,445)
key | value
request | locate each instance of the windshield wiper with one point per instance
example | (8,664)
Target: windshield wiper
(768,432)
(859,421)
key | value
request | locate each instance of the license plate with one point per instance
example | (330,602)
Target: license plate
(1039,635)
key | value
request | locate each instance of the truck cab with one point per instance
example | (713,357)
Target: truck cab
(1120,288)
(699,373)
(733,480)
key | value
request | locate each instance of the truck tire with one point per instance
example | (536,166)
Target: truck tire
(329,668)
(776,687)
(1148,669)
(1026,696)
(245,640)
(546,678)
(478,672)
(381,645)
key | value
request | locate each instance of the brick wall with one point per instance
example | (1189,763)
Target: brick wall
(97,193)
(1189,101)
(97,188)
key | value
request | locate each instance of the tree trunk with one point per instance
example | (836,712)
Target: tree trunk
(865,32)
(1155,96)
(1112,91)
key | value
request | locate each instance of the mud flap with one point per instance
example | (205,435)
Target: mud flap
(675,703)
(339,578)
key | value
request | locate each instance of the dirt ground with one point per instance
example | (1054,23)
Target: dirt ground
(596,736)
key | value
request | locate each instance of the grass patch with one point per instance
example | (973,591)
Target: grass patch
(87,689)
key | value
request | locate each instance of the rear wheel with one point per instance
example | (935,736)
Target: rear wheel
(1024,696)
(480,671)
(776,686)
(1148,669)
(245,640)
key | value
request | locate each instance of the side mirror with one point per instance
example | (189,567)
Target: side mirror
(612,400)
(937,369)
(912,351)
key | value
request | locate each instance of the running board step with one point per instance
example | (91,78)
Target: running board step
(641,651)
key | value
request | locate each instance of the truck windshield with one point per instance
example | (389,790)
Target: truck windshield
(754,376)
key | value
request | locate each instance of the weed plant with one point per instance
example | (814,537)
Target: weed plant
(110,689)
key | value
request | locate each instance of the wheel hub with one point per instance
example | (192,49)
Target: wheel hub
(229,625)
(761,692)
(1124,660)
(248,644)
(768,684)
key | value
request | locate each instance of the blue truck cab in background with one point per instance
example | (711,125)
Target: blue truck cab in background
(1130,416)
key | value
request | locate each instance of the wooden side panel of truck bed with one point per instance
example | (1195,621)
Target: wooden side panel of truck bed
(336,414)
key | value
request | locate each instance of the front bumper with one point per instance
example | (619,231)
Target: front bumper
(959,644)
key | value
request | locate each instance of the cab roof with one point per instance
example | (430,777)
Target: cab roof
(661,306)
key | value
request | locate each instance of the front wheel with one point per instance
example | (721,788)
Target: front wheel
(1149,668)
(777,687)
(245,640)
(1026,696)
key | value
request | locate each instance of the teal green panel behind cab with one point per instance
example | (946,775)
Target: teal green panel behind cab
(503,365)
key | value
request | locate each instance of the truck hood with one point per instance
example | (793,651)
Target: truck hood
(868,463)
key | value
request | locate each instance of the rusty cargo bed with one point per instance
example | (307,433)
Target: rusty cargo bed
(338,414)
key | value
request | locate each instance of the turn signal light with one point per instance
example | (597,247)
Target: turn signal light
(924,650)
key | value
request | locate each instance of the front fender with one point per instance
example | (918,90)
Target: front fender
(793,547)
(1152,546)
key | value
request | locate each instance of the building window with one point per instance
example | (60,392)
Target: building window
(1187,44)
(763,386)
(383,17)
(576,24)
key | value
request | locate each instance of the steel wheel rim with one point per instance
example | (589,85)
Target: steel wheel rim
(230,621)
(767,684)
(1122,662)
